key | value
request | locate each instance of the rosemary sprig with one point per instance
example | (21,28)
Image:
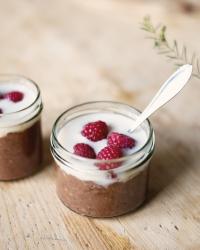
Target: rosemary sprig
(171,50)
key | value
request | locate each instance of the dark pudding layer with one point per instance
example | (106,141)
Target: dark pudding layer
(21,153)
(90,199)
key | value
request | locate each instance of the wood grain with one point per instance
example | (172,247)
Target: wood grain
(70,45)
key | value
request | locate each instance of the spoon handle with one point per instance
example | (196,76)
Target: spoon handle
(167,91)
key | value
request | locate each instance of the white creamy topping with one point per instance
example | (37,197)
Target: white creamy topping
(70,134)
(8,106)
(11,120)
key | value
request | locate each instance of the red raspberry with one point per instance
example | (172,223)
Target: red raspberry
(15,96)
(84,150)
(121,140)
(2,96)
(95,131)
(112,175)
(109,153)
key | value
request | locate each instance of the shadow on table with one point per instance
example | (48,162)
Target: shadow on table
(173,158)
(47,157)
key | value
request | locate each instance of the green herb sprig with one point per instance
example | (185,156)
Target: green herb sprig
(171,50)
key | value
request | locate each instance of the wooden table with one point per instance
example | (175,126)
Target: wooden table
(68,46)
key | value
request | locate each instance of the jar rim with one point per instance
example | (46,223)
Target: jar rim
(95,161)
(17,76)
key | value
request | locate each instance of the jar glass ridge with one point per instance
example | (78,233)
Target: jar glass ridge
(26,113)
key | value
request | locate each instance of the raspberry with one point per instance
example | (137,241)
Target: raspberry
(121,140)
(112,175)
(2,96)
(84,150)
(95,131)
(15,96)
(109,153)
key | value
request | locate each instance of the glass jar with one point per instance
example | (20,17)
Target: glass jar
(20,133)
(86,189)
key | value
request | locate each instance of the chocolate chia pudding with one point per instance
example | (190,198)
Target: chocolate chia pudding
(99,201)
(102,169)
(20,127)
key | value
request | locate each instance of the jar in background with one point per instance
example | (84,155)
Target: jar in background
(20,128)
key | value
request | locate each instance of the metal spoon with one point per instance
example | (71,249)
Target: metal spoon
(167,91)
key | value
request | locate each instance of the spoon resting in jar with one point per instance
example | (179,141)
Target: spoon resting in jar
(168,90)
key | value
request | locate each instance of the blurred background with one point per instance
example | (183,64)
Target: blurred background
(83,50)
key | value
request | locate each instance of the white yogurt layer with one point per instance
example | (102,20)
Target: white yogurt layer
(8,106)
(70,134)
(11,120)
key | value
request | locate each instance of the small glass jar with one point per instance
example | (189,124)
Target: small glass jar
(20,134)
(86,189)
